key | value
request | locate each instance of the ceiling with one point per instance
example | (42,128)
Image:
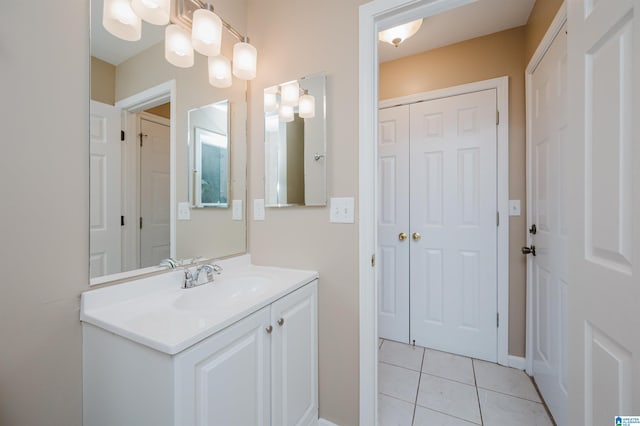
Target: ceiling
(476,19)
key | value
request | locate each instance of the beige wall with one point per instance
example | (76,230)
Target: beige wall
(539,20)
(44,216)
(163,110)
(495,55)
(103,81)
(297,38)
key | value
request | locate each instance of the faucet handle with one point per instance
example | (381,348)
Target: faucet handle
(189,281)
(168,263)
(217,269)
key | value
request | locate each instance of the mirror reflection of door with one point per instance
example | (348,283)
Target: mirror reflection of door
(154,190)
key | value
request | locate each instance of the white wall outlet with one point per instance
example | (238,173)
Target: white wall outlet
(258,209)
(341,210)
(236,210)
(514,207)
(184,211)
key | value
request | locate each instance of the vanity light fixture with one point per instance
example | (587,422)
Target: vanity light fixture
(290,97)
(122,18)
(397,35)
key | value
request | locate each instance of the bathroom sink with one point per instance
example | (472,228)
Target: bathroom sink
(222,294)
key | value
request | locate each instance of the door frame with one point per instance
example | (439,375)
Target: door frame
(553,30)
(132,107)
(375,16)
(501,85)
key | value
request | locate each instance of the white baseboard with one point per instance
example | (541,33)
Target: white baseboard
(517,362)
(323,422)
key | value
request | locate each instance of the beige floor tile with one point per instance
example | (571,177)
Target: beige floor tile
(505,380)
(427,417)
(400,354)
(394,412)
(448,366)
(499,410)
(449,397)
(398,382)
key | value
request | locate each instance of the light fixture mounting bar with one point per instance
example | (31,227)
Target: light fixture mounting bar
(228,26)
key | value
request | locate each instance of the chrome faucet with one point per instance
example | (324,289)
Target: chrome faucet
(191,281)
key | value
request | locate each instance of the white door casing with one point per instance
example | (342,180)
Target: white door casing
(154,192)
(393,220)
(104,205)
(548,225)
(604,207)
(453,224)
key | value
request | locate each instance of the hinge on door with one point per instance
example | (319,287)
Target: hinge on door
(373,260)
(497,320)
(121,220)
(497,218)
(497,117)
(122,135)
(140,222)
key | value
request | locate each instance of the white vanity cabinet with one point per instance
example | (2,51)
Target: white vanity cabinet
(261,370)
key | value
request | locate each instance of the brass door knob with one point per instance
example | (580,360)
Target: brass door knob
(416,236)
(402,236)
(281,322)
(529,250)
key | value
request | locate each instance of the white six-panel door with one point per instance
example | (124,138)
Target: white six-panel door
(604,210)
(453,225)
(549,268)
(104,205)
(393,223)
(154,193)
(437,225)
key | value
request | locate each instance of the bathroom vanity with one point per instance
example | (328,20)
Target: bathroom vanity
(241,350)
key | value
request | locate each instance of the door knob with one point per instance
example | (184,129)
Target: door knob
(402,236)
(269,329)
(281,322)
(529,250)
(416,236)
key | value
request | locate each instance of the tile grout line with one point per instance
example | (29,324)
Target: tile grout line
(415,403)
(475,380)
(511,395)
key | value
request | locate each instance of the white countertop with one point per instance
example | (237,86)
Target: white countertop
(158,313)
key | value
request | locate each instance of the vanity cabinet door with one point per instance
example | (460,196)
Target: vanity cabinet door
(294,352)
(225,380)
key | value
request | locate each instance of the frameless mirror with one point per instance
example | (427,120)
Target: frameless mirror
(295,143)
(209,155)
(142,189)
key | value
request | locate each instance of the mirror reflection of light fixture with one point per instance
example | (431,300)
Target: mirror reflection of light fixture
(290,97)
(219,71)
(122,18)
(397,35)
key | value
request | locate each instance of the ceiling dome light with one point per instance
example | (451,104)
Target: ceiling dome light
(245,57)
(178,50)
(220,72)
(206,33)
(120,20)
(397,35)
(307,107)
(155,12)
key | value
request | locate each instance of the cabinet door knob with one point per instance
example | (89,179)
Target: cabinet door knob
(402,236)
(269,329)
(281,322)
(416,236)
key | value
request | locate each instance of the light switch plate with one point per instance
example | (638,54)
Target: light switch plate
(184,211)
(258,209)
(236,210)
(514,207)
(342,210)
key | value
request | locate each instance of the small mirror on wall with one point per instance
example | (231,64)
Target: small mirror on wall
(295,143)
(209,155)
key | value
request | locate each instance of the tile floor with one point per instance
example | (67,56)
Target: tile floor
(421,386)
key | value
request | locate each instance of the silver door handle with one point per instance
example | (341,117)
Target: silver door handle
(529,250)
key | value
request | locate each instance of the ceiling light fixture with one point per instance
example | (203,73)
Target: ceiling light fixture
(122,18)
(397,35)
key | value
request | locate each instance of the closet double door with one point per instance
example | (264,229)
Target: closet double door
(437,224)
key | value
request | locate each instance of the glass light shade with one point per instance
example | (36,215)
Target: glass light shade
(397,35)
(178,50)
(290,93)
(220,71)
(155,12)
(206,32)
(120,20)
(307,107)
(271,124)
(245,58)
(270,102)
(286,113)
